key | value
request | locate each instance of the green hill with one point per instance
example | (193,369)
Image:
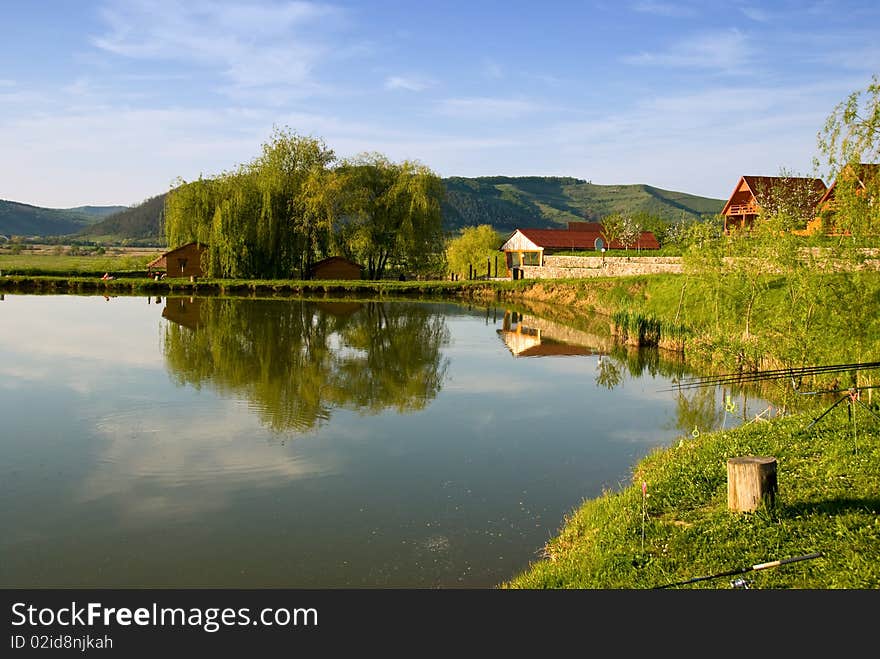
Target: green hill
(504,202)
(141,222)
(17,219)
(545,202)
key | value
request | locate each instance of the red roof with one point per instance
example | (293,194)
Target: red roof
(582,240)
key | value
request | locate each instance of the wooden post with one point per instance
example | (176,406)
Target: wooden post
(751,481)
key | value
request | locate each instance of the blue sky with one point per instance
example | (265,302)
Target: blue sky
(109,101)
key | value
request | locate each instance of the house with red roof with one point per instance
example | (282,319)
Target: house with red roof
(529,246)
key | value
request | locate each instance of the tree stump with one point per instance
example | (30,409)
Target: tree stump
(750,481)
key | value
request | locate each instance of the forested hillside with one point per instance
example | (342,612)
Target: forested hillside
(20,219)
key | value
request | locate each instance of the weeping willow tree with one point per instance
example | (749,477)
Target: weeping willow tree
(274,216)
(849,146)
(264,219)
(391,213)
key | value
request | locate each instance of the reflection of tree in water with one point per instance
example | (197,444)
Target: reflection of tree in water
(635,362)
(297,360)
(697,408)
(609,375)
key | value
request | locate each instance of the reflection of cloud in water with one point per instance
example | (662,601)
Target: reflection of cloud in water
(646,436)
(12,375)
(475,384)
(84,329)
(173,462)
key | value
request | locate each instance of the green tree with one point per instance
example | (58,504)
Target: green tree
(473,248)
(612,228)
(391,213)
(851,133)
(260,220)
(849,138)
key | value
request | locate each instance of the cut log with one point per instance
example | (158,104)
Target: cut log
(751,481)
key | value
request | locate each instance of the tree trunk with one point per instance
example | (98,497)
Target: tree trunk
(751,481)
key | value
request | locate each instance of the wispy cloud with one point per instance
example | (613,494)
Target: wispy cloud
(408,83)
(756,14)
(487,108)
(671,9)
(253,45)
(727,52)
(492,69)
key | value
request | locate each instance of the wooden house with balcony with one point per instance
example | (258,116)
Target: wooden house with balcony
(745,203)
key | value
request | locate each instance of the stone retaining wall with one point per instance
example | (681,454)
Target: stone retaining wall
(559,267)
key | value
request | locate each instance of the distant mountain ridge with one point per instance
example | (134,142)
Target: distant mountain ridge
(546,202)
(505,202)
(21,219)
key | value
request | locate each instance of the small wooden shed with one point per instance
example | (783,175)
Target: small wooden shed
(183,261)
(335,267)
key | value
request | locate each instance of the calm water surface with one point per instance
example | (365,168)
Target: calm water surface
(285,443)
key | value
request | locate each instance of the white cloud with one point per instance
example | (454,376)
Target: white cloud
(728,52)
(670,9)
(756,14)
(253,45)
(408,83)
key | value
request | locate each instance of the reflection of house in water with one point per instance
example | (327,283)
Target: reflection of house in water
(529,336)
(339,309)
(184,311)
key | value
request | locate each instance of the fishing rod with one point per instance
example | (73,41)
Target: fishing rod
(743,570)
(774,374)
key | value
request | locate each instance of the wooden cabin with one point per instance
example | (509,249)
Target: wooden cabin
(528,246)
(744,206)
(336,267)
(183,261)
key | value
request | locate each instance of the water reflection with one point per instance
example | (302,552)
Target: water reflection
(528,334)
(296,361)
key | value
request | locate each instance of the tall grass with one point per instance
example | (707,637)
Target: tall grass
(645,329)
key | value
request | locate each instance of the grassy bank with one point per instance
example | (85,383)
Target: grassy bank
(827,502)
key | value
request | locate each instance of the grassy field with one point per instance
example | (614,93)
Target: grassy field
(50,260)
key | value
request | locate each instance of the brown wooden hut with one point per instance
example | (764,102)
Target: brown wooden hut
(744,204)
(183,261)
(335,267)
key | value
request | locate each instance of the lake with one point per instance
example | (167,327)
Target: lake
(197,442)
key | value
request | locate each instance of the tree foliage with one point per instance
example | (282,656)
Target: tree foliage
(851,133)
(848,141)
(390,213)
(274,216)
(789,201)
(472,249)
